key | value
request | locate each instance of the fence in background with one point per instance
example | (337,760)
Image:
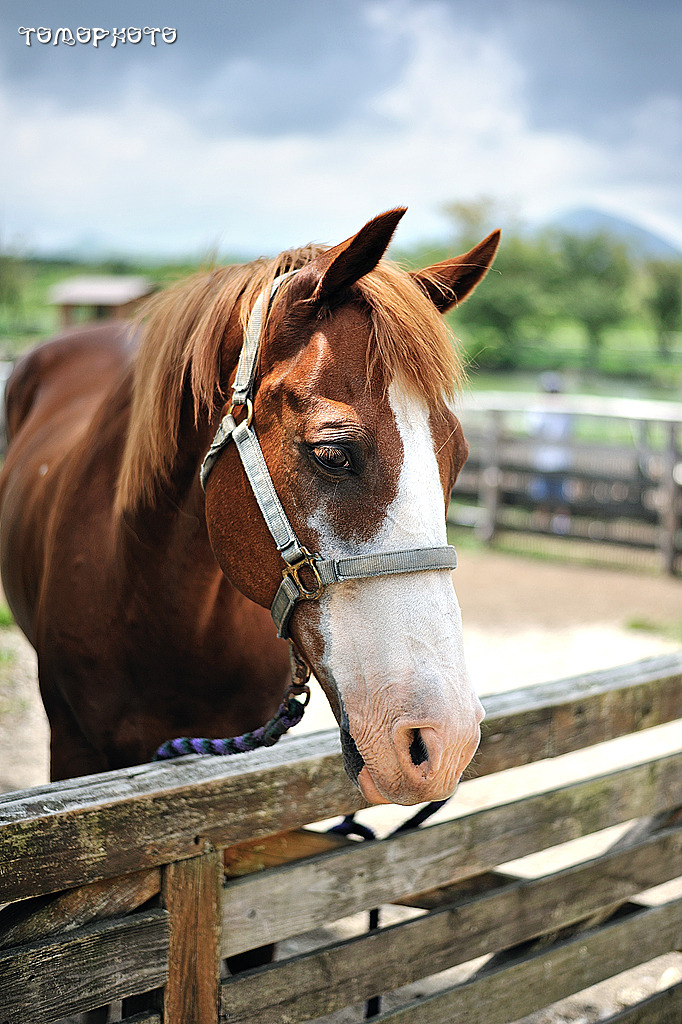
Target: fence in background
(594,469)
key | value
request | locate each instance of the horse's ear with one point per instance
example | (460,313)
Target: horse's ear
(452,281)
(345,263)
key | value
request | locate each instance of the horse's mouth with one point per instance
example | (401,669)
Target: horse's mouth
(353,760)
(357,771)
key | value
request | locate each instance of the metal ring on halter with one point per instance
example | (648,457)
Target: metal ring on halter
(248,404)
(306,561)
(298,690)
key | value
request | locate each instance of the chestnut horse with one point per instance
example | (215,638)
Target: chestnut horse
(147,599)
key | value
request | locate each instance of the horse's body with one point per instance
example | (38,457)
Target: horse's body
(129,619)
(146,600)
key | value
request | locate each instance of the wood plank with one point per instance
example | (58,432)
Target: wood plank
(640,831)
(143,1018)
(93,966)
(513,991)
(33,919)
(260,908)
(490,478)
(320,982)
(245,858)
(551,719)
(192,895)
(67,834)
(661,1008)
(598,406)
(455,892)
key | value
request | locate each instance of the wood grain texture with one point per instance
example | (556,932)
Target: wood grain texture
(513,991)
(245,858)
(83,835)
(37,918)
(192,896)
(320,982)
(70,833)
(88,968)
(551,719)
(263,907)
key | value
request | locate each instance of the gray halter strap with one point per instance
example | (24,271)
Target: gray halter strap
(305,574)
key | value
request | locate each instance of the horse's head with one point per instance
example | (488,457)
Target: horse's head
(352,410)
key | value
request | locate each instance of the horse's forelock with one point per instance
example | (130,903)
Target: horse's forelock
(410,339)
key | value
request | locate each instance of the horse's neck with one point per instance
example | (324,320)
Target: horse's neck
(168,535)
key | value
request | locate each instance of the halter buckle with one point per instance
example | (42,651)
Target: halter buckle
(307,561)
(246,404)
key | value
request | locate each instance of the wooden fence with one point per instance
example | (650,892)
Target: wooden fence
(619,484)
(116,888)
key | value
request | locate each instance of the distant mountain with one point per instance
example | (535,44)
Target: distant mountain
(640,241)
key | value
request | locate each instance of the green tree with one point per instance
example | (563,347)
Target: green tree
(499,314)
(12,286)
(516,302)
(664,300)
(539,280)
(596,272)
(10,281)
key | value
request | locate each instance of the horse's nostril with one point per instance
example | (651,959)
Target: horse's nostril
(418,749)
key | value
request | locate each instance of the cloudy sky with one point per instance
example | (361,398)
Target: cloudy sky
(270,123)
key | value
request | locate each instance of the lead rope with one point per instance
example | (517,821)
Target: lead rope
(288,715)
(350,827)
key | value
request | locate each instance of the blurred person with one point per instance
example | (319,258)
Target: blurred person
(551,426)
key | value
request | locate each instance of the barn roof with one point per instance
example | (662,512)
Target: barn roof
(99,290)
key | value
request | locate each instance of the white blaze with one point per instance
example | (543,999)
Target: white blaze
(393,645)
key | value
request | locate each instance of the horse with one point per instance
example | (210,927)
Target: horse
(147,598)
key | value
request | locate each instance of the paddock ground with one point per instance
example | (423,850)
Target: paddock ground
(526,621)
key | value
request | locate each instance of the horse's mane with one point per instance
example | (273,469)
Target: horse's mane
(185,328)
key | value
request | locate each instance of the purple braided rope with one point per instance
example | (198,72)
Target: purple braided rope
(289,714)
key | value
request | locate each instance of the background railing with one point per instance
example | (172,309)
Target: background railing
(595,469)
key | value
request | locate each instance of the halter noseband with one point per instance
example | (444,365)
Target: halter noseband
(305,574)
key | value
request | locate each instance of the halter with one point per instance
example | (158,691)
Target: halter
(305,574)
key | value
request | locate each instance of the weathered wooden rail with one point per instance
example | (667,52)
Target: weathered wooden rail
(116,888)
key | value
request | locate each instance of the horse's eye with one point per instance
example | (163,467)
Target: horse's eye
(331,457)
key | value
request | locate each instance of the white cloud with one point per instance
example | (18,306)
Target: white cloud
(455,125)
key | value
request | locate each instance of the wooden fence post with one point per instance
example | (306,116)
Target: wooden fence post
(489,497)
(192,893)
(670,519)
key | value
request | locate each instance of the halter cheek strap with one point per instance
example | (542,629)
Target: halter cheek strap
(305,574)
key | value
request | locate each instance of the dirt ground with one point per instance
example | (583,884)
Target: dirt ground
(526,621)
